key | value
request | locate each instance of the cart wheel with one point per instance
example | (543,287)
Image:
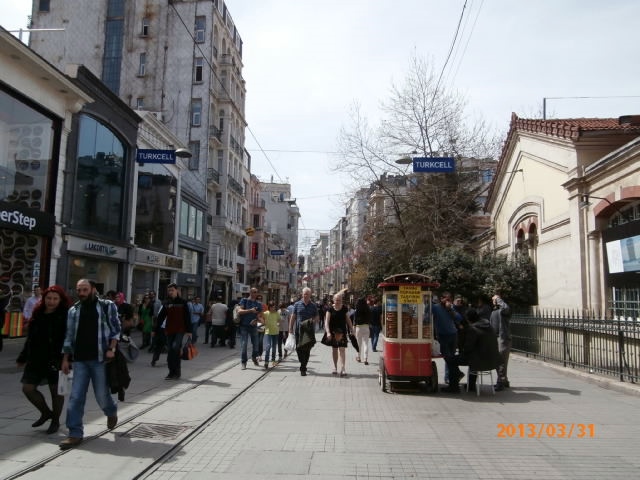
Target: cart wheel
(433,387)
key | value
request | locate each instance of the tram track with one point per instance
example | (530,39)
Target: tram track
(185,439)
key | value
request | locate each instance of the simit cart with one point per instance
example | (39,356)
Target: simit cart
(407,332)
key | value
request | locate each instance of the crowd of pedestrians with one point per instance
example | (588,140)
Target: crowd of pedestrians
(84,338)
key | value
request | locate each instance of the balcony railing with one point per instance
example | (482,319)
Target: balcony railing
(234,185)
(213,175)
(215,132)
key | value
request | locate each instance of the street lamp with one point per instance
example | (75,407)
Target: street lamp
(584,203)
(183,153)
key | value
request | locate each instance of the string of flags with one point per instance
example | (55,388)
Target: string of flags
(330,268)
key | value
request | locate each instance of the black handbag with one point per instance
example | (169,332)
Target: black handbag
(354,342)
(326,341)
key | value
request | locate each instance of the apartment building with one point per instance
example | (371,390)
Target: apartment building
(182,62)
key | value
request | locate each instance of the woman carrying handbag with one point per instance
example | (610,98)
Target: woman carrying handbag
(42,354)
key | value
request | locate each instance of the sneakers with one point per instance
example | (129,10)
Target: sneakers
(273,363)
(70,442)
(256,362)
(54,427)
(303,373)
(266,365)
(244,366)
(366,362)
(112,421)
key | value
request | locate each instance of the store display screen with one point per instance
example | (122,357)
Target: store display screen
(624,255)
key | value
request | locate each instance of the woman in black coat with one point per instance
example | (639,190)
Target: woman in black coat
(42,354)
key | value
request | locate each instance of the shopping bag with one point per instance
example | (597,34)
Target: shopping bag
(129,349)
(64,382)
(189,351)
(290,344)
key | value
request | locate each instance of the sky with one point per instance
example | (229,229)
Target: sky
(306,63)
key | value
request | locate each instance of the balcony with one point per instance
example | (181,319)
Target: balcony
(235,186)
(213,176)
(235,146)
(215,132)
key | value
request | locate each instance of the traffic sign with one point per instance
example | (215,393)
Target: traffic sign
(277,252)
(434,164)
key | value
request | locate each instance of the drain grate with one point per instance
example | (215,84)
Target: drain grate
(150,430)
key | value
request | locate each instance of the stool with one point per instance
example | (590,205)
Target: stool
(479,379)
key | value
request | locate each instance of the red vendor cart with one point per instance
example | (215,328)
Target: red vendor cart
(407,332)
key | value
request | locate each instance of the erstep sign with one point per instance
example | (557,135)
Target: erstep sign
(155,156)
(434,164)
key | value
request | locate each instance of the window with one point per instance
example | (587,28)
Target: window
(218,203)
(99,192)
(198,70)
(194,161)
(254,251)
(43,6)
(156,208)
(140,103)
(201,23)
(142,65)
(145,27)
(196,112)
(191,221)
(220,160)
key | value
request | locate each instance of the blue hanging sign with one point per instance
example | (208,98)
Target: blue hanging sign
(277,252)
(155,156)
(434,164)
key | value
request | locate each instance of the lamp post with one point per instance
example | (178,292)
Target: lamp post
(584,203)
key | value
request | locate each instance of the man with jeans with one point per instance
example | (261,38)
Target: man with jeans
(93,330)
(196,310)
(175,319)
(303,310)
(249,310)
(500,322)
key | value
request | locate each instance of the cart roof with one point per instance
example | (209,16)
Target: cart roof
(408,279)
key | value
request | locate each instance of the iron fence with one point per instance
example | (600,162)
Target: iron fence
(597,345)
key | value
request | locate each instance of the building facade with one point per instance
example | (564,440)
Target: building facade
(560,194)
(182,61)
(38,104)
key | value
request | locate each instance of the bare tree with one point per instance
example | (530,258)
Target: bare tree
(421,211)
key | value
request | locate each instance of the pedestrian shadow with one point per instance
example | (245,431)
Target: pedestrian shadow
(547,389)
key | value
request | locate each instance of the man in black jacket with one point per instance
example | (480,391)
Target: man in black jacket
(480,352)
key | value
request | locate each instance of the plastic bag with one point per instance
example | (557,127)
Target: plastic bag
(290,344)
(435,348)
(64,382)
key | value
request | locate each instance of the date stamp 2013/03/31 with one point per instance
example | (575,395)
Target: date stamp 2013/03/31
(549,430)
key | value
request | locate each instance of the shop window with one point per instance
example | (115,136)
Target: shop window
(99,192)
(156,208)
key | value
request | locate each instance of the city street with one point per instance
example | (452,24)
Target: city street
(222,422)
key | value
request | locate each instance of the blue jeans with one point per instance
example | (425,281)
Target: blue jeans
(374,331)
(83,372)
(447,349)
(247,331)
(194,331)
(174,353)
(270,345)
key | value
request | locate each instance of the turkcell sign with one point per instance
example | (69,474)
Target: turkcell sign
(434,164)
(277,252)
(155,156)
